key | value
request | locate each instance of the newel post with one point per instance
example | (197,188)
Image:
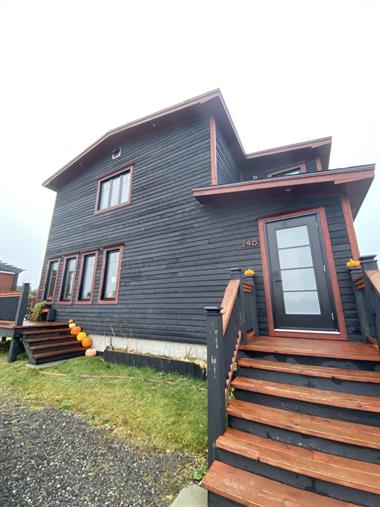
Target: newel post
(22,305)
(372,303)
(356,278)
(216,381)
(237,274)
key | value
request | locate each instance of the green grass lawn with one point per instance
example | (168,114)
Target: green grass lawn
(165,411)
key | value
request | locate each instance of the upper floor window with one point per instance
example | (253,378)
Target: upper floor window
(51,279)
(110,277)
(67,285)
(87,277)
(288,171)
(114,190)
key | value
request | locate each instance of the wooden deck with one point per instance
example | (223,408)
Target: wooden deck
(27,324)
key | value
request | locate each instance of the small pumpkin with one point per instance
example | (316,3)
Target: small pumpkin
(71,321)
(81,335)
(353,264)
(90,352)
(75,330)
(249,272)
(71,325)
(87,342)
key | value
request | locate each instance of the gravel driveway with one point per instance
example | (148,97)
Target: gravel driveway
(54,458)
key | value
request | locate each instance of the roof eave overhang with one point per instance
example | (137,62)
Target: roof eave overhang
(354,181)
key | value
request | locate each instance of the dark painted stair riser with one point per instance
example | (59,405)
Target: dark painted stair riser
(298,480)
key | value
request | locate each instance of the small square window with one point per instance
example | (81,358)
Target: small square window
(116,153)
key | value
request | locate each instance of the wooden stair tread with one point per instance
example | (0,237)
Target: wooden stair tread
(253,490)
(310,394)
(315,348)
(321,427)
(47,331)
(54,353)
(318,465)
(312,371)
(52,345)
(48,338)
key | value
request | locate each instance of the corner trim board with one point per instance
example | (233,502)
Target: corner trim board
(214,170)
(347,214)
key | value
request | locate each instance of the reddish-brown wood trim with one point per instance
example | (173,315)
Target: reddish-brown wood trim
(120,170)
(11,294)
(315,143)
(214,170)
(301,165)
(333,176)
(56,280)
(347,214)
(81,260)
(70,301)
(342,334)
(101,282)
(228,302)
(318,163)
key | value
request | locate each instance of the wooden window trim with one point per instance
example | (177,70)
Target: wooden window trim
(342,335)
(102,272)
(318,163)
(65,258)
(110,175)
(53,259)
(214,171)
(278,172)
(347,214)
(78,288)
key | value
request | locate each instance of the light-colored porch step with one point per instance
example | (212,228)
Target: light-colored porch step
(252,490)
(311,371)
(318,465)
(309,394)
(314,348)
(321,427)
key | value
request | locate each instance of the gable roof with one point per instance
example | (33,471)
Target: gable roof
(209,103)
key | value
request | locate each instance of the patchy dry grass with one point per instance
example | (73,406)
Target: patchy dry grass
(161,410)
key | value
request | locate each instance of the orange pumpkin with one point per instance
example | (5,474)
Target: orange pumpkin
(76,330)
(81,335)
(90,352)
(86,342)
(353,264)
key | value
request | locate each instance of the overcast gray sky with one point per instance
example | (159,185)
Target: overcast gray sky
(72,69)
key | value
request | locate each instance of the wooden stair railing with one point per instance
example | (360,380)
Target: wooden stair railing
(227,327)
(366,285)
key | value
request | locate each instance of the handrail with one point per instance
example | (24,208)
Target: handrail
(228,302)
(227,327)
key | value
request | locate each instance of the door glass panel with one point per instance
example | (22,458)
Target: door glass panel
(302,303)
(298,279)
(299,257)
(292,236)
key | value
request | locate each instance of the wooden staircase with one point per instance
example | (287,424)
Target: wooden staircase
(50,343)
(303,427)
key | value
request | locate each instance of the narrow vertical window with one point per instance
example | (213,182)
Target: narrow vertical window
(68,279)
(109,286)
(87,278)
(114,190)
(51,280)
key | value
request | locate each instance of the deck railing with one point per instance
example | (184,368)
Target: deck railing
(227,327)
(366,284)
(13,305)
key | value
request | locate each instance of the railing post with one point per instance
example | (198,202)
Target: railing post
(215,379)
(357,278)
(236,274)
(368,262)
(22,305)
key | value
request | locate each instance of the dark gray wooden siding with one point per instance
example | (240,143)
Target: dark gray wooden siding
(227,168)
(177,253)
(261,169)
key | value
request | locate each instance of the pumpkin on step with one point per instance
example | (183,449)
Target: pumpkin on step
(249,272)
(353,264)
(71,321)
(86,342)
(81,336)
(75,330)
(90,352)
(71,325)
